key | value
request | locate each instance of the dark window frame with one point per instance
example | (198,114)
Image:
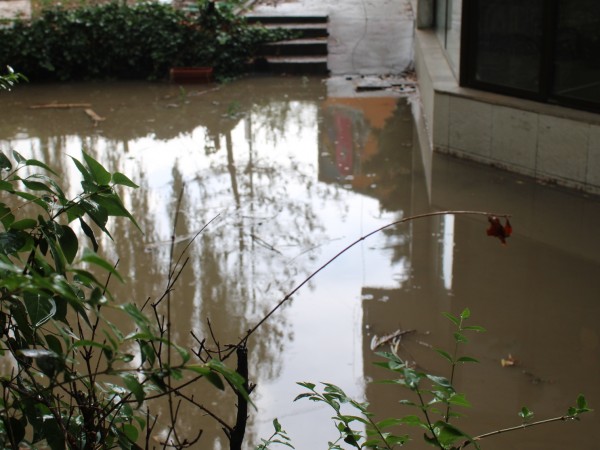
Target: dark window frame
(468,60)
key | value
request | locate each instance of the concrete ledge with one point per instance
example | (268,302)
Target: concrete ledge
(548,142)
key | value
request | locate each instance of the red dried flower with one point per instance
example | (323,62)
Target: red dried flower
(496,229)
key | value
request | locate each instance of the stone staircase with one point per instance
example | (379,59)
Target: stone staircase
(306,54)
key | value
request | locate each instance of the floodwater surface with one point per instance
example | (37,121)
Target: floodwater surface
(277,177)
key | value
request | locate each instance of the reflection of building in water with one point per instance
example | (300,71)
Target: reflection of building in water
(360,150)
(534,296)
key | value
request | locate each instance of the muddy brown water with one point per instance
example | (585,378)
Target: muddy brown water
(289,177)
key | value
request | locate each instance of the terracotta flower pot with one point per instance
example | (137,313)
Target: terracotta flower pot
(191,74)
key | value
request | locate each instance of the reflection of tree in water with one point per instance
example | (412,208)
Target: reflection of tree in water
(267,200)
(392,166)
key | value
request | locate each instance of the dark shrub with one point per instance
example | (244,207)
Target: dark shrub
(128,42)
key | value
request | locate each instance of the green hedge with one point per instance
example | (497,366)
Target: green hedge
(129,42)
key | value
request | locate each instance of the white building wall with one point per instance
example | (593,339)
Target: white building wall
(551,143)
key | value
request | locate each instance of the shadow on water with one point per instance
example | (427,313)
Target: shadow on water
(290,177)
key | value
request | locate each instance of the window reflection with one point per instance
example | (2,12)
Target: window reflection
(509,43)
(577,63)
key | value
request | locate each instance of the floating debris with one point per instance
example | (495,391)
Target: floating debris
(509,361)
(392,338)
(61,106)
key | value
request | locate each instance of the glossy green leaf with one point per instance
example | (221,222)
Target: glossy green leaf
(119,178)
(307,385)
(460,338)
(19,314)
(232,377)
(138,317)
(36,185)
(148,353)
(89,233)
(18,157)
(32,198)
(5,163)
(57,190)
(215,380)
(474,328)
(36,163)
(87,176)
(97,213)
(465,359)
(185,355)
(24,224)
(11,242)
(114,207)
(132,383)
(50,364)
(452,318)
(303,395)
(55,251)
(6,216)
(448,434)
(459,400)
(5,186)
(465,314)
(581,402)
(91,257)
(96,297)
(525,413)
(445,354)
(55,436)
(68,242)
(393,441)
(199,369)
(582,406)
(130,431)
(99,174)
(54,344)
(61,309)
(15,430)
(84,277)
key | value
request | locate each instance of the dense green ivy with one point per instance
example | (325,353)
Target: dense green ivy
(141,41)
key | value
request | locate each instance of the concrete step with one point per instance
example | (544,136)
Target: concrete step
(295,47)
(305,55)
(303,30)
(293,65)
(284,19)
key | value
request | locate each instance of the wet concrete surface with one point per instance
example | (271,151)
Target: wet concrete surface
(367,37)
(15,8)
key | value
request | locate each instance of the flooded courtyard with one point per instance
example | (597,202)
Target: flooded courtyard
(283,177)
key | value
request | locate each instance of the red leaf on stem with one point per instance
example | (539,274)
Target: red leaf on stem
(496,229)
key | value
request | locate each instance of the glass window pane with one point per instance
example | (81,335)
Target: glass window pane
(453,34)
(577,57)
(509,45)
(440,20)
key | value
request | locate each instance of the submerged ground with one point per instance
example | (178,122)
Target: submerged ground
(290,176)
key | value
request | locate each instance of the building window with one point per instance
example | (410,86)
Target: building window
(448,25)
(545,50)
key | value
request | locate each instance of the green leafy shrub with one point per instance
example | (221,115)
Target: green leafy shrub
(71,379)
(120,41)
(11,78)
